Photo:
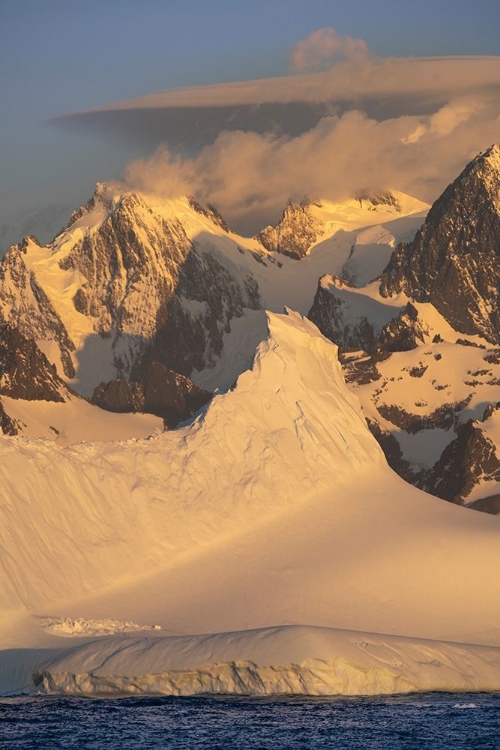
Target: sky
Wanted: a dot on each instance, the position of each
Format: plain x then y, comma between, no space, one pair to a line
59,57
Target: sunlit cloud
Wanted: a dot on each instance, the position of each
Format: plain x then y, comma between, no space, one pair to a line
323,46
364,123
250,176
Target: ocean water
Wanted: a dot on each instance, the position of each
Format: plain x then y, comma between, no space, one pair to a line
416,722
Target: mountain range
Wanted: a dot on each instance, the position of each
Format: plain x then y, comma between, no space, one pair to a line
145,305
204,431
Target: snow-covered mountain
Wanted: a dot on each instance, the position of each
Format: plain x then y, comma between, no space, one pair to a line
122,285
149,305
136,283
36,403
421,342
453,262
271,526
305,225
266,519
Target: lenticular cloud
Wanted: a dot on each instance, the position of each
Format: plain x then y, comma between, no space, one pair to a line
364,123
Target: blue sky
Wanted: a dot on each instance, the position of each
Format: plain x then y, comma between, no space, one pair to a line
59,56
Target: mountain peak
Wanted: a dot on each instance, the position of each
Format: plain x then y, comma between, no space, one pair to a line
297,231
489,157
483,170
453,260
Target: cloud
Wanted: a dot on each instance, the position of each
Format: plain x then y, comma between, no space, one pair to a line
365,123
324,45
446,119
384,88
350,79
250,176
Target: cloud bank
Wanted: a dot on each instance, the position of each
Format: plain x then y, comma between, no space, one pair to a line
250,176
364,124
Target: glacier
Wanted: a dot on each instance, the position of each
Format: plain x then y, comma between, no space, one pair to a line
267,538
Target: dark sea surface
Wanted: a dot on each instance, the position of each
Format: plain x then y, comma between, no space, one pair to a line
461,721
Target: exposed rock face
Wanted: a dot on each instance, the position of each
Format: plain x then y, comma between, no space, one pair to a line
330,312
350,316
7,425
445,417
25,305
392,451
454,260
401,334
139,280
190,326
470,458
380,199
159,391
487,505
25,372
294,234
159,295
125,264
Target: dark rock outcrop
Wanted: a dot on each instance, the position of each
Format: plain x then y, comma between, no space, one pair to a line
25,372
7,425
295,233
445,417
332,314
454,260
489,505
466,460
392,451
211,213
379,199
159,391
25,305
185,341
401,334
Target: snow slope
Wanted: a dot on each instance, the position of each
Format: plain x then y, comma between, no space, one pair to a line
275,507
76,420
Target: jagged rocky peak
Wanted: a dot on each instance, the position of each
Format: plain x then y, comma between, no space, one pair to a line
404,333
453,261
131,258
297,230
28,239
25,372
147,275
158,391
102,197
146,280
